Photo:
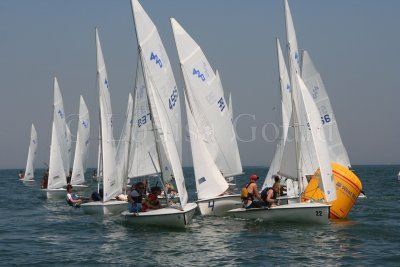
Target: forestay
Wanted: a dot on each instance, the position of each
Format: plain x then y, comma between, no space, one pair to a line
30,170
111,182
208,106
82,144
315,85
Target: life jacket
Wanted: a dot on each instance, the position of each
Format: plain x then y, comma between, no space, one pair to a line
139,198
244,194
264,194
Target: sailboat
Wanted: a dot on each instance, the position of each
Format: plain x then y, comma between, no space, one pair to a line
305,146
212,137
112,182
155,80
82,145
30,170
309,212
59,154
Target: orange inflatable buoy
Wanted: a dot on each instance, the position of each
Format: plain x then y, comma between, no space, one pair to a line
348,187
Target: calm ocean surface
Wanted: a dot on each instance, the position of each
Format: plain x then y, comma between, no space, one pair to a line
36,231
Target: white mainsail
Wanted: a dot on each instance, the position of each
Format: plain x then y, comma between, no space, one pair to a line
82,144
112,186
286,111
124,144
143,144
30,170
158,66
60,136
163,99
207,103
315,85
308,158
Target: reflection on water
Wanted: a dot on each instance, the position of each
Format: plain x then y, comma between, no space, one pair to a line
51,232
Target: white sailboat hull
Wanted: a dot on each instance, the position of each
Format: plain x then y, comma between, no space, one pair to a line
317,213
80,186
163,217
57,193
27,180
111,207
219,206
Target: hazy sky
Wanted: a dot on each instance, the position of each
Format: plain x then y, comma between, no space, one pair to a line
352,43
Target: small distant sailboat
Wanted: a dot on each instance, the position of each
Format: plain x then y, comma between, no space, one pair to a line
82,145
59,154
212,137
112,182
164,116
30,170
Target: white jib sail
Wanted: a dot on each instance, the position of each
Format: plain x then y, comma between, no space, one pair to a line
158,65
286,111
57,177
209,180
111,183
315,85
209,108
143,145
320,144
124,143
82,144
30,170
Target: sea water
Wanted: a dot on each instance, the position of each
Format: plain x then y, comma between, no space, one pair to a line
38,231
